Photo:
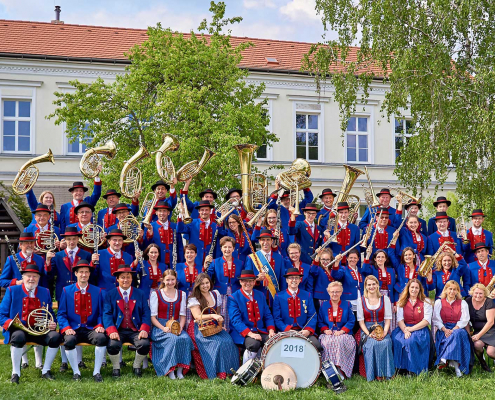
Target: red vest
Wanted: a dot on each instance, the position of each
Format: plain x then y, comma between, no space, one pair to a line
169,310
83,307
127,322
451,313
414,314
377,315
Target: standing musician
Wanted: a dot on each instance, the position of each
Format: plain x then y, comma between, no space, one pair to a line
447,269
293,308
161,233
307,233
412,209
161,189
240,210
110,259
441,205
327,197
384,234
250,318
294,261
68,215
80,318
384,197
106,216
126,318
348,235
42,225
476,234
206,195
84,212
21,300
268,265
480,271
408,270
322,275
187,272
234,230
271,223
443,234
48,199
121,211
154,269
411,236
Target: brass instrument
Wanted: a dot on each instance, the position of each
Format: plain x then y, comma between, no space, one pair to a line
148,206
296,178
430,261
28,174
224,215
369,249
491,286
374,202
193,168
460,226
294,199
91,159
131,178
92,236
259,214
254,185
406,195
45,241
164,165
131,229
186,218
41,318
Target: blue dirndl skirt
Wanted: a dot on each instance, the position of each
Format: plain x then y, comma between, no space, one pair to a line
456,347
378,356
412,354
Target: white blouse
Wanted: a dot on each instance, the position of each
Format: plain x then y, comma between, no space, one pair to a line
437,320
193,301
386,303
154,302
428,311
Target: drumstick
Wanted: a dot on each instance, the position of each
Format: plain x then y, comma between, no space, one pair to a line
308,321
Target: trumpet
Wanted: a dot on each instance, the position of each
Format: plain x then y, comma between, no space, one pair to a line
164,165
460,226
427,265
28,174
91,159
193,168
131,178
37,322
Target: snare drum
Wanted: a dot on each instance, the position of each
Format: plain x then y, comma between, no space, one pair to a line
247,373
297,351
333,377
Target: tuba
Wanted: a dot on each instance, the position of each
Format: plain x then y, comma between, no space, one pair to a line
91,159
37,322
131,178
254,186
296,178
164,165
28,174
193,168
427,265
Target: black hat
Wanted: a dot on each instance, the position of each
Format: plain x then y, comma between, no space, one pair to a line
310,207
285,194
206,191
265,233
383,211
160,183
246,274
120,207
81,264
293,272
31,268
227,196
78,185
204,203
384,191
327,191
412,203
116,232
342,205
71,231
83,204
111,192
481,245
162,205
478,212
42,208
27,237
441,215
123,268
440,200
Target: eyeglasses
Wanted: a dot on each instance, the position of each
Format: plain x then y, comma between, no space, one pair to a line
335,292
294,278
325,259
84,212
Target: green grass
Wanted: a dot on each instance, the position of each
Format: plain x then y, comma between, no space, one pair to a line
436,385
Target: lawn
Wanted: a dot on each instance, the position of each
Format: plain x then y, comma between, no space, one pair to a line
436,385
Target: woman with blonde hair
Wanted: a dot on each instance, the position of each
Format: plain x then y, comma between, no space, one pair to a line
411,338
270,222
450,317
447,269
48,199
294,261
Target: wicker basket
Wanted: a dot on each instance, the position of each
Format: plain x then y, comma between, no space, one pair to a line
209,327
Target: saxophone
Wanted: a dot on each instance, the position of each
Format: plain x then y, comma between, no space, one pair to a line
427,265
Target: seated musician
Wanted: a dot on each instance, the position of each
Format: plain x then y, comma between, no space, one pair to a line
443,235
327,197
375,309
43,226
411,338
407,270
307,233
20,300
106,216
67,212
126,318
171,353
251,321
336,322
270,222
348,233
224,271
80,318
447,269
411,236
480,271
452,343
322,276
441,205
149,282
293,308
161,189
205,195
48,199
294,261
235,231
384,197
215,355
477,234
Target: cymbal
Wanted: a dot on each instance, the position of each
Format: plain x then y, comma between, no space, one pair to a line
278,376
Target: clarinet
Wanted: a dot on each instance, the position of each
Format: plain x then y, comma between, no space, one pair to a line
326,244
52,229
212,247
95,244
276,240
174,250
14,255
140,259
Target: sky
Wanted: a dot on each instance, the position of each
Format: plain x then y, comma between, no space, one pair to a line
294,20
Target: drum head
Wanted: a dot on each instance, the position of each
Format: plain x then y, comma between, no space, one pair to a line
239,377
278,376
297,352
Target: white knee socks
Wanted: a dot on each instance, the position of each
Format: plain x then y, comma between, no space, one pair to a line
99,356
248,355
38,356
72,357
16,355
138,360
62,353
79,353
51,353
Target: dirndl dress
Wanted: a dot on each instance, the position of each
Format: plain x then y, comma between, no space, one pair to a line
456,347
412,354
223,309
341,350
393,322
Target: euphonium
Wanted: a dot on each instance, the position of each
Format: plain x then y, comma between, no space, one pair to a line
375,202
91,159
131,178
164,165
28,174
193,168
427,265
40,317
297,175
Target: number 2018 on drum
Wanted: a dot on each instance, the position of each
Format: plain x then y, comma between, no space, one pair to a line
293,348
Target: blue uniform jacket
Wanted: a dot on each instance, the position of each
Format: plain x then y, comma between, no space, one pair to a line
351,282
468,248
344,321
164,238
294,314
476,274
284,240
408,239
402,280
33,205
307,282
434,243
218,272
10,272
182,282
171,201
284,212
111,219
321,279
432,225
201,237
278,265
395,218
389,281
108,263
150,281
439,277
309,243
347,238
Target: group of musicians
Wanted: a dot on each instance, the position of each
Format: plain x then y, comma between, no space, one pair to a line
354,292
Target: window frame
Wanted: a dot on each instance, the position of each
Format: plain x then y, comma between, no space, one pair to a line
31,119
321,124
67,143
269,127
403,118
370,135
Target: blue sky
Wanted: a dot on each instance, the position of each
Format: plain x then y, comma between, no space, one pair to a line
271,19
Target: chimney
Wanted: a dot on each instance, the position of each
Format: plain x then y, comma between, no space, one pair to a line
57,16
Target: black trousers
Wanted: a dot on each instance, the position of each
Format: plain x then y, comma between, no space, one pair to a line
315,342
128,335
18,338
85,335
254,345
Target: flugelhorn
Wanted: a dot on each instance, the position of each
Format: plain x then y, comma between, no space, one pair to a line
164,165
28,174
37,322
131,178
193,168
91,159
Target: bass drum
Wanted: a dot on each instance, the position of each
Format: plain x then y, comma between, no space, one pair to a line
298,352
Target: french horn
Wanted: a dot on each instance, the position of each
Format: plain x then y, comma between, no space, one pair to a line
28,174
164,165
91,159
131,178
36,323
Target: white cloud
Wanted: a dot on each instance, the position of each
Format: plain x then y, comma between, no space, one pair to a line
296,10
260,30
258,4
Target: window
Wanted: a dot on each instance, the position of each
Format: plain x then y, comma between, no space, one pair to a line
358,140
264,152
77,147
16,126
403,130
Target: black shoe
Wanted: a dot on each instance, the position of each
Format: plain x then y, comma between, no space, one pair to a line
103,364
138,372
82,365
40,367
48,375
483,364
76,377
98,378
64,367
116,373
122,364
15,378
24,365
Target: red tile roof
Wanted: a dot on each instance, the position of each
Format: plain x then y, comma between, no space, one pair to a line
98,43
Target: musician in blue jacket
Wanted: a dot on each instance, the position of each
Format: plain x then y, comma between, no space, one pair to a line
477,234
205,195
84,212
48,199
307,233
412,209
411,236
161,189
20,300
348,234
384,235
106,216
67,214
384,197
126,318
441,205
80,318
327,197
122,211
293,308
42,228
480,271
444,235
294,261
251,321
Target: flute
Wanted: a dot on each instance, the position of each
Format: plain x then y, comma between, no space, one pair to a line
345,253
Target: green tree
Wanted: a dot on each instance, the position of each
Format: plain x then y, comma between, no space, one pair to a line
437,56
188,85
17,203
